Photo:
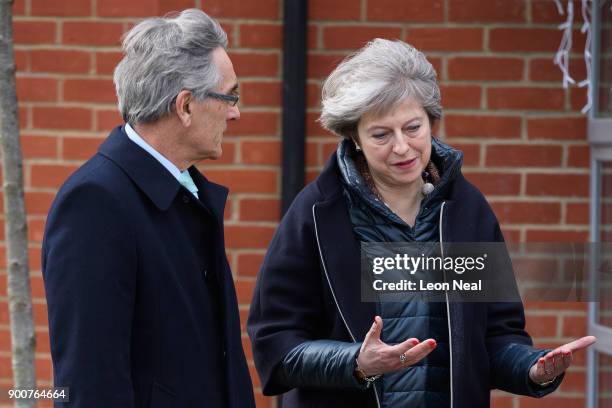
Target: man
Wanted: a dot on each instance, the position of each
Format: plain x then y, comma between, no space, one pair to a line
142,307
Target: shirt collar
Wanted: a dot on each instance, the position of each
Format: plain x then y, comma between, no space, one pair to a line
136,138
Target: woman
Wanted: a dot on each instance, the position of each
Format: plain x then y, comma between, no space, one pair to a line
389,181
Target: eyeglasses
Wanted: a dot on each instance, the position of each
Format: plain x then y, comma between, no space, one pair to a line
231,99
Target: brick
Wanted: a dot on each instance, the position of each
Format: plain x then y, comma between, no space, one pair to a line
167,6
328,149
92,33
268,9
261,152
38,203
261,35
501,402
36,280
523,155
578,98
334,10
544,69
60,8
108,119
574,326
34,32
485,69
406,12
565,128
312,154
254,123
536,235
353,37
579,156
490,183
246,181
261,93
553,402
36,230
228,154
541,326
321,65
61,118
527,213
39,310
313,128
471,11
38,147
545,11
248,236
460,96
24,117
506,127
22,59
249,264
255,64
19,7
89,90
260,210
80,148
36,89
313,95
59,61
558,185
526,98
445,39
577,213
50,175
524,39
107,61
119,8
574,381
471,153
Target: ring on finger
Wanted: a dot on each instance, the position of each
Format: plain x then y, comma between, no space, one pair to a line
403,358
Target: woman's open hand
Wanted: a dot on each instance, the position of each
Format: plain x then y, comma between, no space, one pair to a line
558,360
376,357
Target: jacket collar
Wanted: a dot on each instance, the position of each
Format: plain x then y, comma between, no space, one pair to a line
153,178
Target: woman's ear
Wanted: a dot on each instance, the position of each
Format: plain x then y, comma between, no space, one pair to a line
182,108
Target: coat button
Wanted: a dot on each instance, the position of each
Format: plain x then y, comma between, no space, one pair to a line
185,199
205,273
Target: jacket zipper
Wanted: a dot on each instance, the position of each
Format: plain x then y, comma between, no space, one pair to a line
334,294
448,318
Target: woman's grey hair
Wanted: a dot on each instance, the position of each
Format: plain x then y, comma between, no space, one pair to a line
373,80
162,57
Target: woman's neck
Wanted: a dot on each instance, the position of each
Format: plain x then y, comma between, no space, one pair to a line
403,201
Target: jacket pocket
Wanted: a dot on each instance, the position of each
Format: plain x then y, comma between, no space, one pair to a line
162,396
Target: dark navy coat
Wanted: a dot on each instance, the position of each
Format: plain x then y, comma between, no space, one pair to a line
142,307
309,288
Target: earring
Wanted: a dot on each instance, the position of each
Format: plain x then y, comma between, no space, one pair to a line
357,148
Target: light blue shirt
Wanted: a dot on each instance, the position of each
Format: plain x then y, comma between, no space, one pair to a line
135,137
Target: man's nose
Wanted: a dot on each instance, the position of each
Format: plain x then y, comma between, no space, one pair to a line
233,113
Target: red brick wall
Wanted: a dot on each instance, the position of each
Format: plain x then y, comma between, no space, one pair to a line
523,135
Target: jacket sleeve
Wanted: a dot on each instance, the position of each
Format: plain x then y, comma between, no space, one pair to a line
287,308
89,269
509,347
320,364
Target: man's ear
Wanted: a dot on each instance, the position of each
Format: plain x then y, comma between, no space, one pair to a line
182,107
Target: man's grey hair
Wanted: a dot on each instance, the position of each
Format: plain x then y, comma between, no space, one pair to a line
162,57
373,80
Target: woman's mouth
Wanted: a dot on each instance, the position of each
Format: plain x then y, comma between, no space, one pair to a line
406,164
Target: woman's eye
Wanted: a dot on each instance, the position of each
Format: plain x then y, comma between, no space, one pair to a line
379,135
412,128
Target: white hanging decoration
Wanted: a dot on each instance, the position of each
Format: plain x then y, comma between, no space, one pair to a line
562,58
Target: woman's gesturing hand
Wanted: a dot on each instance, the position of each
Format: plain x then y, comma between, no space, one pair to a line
558,360
376,357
